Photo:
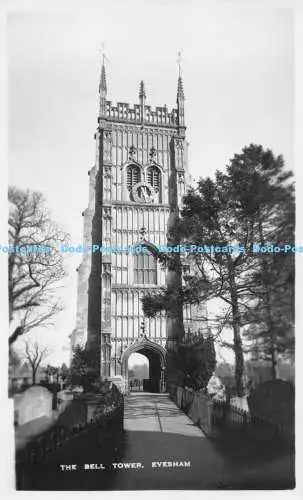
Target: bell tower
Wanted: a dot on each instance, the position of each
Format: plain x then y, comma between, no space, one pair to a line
136,189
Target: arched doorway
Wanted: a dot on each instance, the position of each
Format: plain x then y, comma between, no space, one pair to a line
138,371
155,355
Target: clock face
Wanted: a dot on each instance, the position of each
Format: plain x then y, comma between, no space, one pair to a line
143,193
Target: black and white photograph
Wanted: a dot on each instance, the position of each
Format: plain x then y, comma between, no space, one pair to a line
150,246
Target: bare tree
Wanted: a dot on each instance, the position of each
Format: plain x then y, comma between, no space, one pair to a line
35,266
35,354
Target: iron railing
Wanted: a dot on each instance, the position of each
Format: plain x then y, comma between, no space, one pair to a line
228,414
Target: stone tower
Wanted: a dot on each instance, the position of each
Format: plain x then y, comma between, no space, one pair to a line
136,189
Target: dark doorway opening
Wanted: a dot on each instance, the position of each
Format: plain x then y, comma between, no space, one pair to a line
145,376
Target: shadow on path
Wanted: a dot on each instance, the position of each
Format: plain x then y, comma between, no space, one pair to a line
159,449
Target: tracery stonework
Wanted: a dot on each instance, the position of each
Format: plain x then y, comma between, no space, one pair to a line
136,186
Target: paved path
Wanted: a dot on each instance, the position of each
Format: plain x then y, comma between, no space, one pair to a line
157,434
159,449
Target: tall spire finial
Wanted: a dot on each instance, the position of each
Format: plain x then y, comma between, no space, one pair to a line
142,94
180,95
142,98
102,49
180,91
103,86
179,60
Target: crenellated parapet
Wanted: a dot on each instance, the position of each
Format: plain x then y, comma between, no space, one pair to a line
125,113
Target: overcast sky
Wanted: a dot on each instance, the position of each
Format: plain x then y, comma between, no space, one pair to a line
238,80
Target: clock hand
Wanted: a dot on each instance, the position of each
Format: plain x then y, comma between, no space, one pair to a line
143,193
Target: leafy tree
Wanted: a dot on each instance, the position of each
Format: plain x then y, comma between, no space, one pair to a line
208,218
33,277
196,363
252,198
64,371
264,190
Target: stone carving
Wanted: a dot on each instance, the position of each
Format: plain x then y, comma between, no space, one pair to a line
179,145
107,213
108,172
181,177
131,153
108,135
107,145
106,268
152,153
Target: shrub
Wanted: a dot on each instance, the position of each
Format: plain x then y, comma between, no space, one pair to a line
84,368
195,363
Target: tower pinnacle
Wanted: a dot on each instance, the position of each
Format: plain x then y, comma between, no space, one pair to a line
142,98
179,60
142,94
102,85
180,95
180,91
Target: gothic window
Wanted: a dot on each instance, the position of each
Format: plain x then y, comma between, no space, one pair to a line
145,269
154,179
133,176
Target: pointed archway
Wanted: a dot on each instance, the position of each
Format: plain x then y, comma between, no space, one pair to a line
156,356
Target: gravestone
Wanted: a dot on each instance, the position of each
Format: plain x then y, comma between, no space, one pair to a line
274,401
34,403
64,400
